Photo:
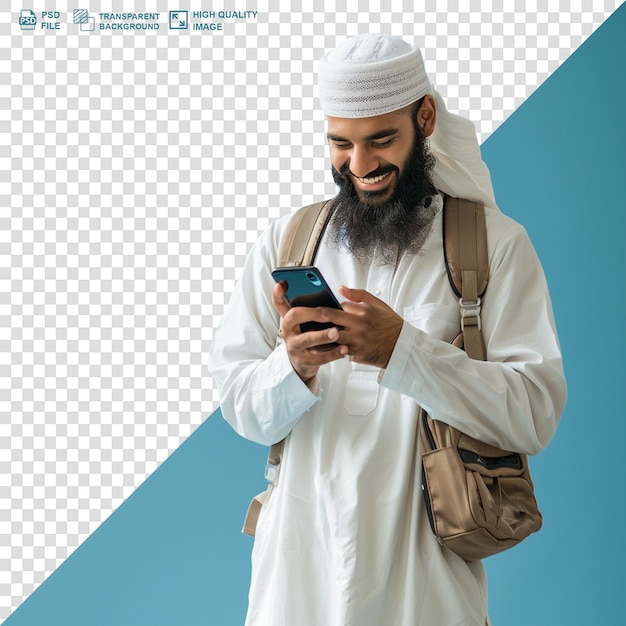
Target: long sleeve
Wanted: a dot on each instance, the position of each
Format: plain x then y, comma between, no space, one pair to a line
261,396
515,398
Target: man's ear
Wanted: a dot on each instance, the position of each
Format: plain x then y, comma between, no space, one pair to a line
427,115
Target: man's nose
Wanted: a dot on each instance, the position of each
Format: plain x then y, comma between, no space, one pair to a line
362,162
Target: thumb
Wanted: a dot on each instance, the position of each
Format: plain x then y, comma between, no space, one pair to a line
278,299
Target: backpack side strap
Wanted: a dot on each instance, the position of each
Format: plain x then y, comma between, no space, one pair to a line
271,475
298,246
467,263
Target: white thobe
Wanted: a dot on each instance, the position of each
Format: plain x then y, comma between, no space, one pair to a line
344,539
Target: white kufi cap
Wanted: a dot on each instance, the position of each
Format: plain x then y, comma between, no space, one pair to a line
376,74
371,75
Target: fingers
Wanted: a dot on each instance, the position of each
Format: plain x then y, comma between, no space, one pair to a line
357,295
313,340
316,340
308,351
359,302
368,331
371,327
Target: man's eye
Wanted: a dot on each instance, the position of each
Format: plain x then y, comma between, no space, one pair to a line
382,144
342,146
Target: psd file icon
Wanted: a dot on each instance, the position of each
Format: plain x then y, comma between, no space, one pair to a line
28,19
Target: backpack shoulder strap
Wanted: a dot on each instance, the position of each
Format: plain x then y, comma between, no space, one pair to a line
298,246
303,234
467,263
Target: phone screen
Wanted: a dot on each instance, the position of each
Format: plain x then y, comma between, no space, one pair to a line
305,286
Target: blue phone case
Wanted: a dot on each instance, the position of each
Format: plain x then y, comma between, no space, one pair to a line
306,287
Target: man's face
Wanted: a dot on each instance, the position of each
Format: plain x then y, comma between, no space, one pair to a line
372,152
382,167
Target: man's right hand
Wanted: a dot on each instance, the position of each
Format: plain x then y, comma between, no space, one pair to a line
310,350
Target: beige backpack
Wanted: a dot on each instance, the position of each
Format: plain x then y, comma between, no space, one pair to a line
479,498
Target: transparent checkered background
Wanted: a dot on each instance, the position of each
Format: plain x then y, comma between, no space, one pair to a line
136,171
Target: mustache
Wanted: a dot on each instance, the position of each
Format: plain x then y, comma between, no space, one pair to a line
379,171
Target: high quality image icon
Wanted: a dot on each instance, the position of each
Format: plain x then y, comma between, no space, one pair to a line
179,20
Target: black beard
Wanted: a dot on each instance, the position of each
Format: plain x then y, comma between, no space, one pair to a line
367,227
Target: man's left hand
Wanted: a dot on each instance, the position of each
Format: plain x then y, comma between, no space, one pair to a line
370,327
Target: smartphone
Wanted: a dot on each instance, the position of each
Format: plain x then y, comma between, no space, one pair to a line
305,286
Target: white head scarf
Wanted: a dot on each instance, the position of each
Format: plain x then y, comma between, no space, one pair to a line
375,74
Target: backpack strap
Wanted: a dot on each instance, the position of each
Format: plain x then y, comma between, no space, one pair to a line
303,234
467,263
271,475
298,246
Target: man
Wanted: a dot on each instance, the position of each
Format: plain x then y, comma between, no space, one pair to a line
344,538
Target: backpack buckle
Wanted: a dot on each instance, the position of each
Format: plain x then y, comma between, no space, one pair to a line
470,309
271,473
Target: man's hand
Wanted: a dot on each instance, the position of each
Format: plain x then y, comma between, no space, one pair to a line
371,327
310,350
370,331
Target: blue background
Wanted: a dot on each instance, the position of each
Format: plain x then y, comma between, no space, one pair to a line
172,554
558,168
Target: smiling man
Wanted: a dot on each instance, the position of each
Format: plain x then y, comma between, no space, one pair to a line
344,539
382,166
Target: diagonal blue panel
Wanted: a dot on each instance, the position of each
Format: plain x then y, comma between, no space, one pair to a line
559,168
172,554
